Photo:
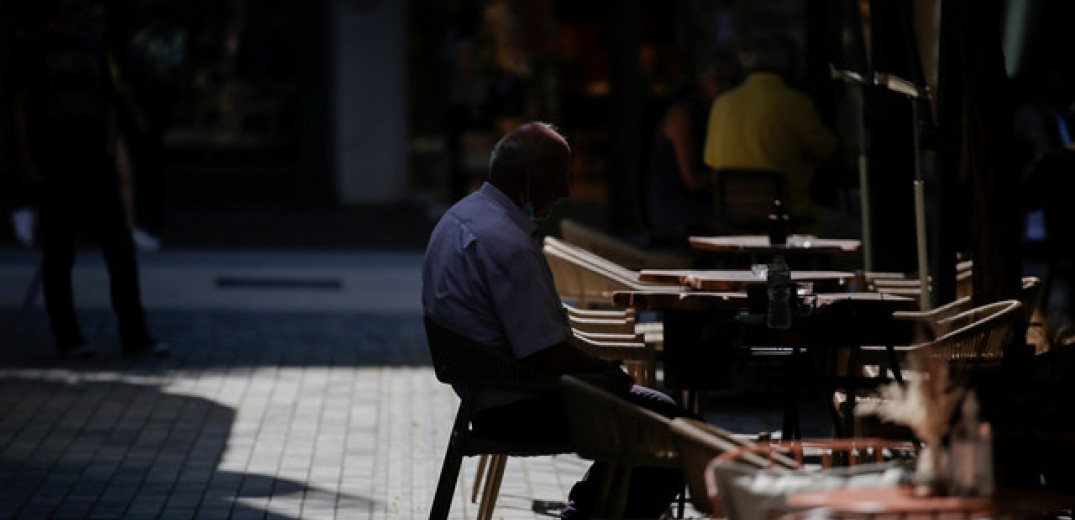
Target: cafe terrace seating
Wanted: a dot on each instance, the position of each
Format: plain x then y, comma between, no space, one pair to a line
700,442
1038,334
610,342
968,340
615,321
737,489
620,434
638,359
470,368
619,251
587,279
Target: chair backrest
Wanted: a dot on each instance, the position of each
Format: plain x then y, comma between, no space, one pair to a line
744,198
822,454
609,428
699,443
1038,334
638,358
620,251
470,366
586,278
926,322
974,336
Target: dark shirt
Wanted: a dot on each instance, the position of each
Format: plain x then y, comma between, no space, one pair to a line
672,205
68,90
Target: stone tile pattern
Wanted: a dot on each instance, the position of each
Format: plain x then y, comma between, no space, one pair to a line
255,415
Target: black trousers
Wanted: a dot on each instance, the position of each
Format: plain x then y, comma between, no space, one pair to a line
68,207
544,418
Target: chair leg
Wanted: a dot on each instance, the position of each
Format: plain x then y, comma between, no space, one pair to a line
493,478
449,471
619,499
449,476
600,506
478,475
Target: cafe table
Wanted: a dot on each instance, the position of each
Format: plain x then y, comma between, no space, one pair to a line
723,280
760,245
900,502
733,250
707,332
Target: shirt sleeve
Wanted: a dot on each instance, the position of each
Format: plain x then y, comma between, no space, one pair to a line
524,297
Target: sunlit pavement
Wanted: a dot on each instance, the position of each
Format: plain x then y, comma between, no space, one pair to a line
298,387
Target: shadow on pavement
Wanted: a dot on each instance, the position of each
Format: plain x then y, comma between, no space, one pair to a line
224,339
80,445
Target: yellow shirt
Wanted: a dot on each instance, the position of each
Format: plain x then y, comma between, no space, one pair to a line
765,125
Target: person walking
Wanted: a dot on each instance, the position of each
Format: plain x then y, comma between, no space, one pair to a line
65,134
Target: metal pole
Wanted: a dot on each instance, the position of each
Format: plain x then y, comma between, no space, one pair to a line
854,78
913,93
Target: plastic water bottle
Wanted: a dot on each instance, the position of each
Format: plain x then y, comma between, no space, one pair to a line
779,288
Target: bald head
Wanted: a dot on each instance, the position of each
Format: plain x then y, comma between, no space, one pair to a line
531,166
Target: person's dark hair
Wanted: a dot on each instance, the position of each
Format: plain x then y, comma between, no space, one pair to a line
774,53
723,63
521,148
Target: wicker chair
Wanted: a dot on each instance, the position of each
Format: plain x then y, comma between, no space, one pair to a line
699,443
620,251
588,279
807,456
623,435
470,368
638,359
968,340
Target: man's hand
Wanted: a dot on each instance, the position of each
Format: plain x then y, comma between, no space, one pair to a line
614,380
566,358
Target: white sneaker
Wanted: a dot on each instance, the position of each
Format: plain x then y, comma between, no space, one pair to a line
145,241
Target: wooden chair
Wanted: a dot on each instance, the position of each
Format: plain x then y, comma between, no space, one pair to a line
615,321
624,436
638,358
613,344
470,368
620,251
966,340
808,456
907,284
587,279
699,443
973,337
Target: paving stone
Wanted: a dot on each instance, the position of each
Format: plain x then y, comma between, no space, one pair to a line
278,413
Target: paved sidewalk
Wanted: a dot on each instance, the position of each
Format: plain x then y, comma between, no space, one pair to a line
256,415
299,388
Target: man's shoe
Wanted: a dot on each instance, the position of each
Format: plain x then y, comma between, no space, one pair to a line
79,351
152,347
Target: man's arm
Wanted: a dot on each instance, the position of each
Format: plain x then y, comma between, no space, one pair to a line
566,358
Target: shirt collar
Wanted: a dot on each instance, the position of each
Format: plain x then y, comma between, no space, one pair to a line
510,208
764,77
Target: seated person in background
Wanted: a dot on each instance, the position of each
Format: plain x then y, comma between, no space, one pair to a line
763,124
679,185
485,278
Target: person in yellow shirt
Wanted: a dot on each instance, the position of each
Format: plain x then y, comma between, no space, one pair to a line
763,124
